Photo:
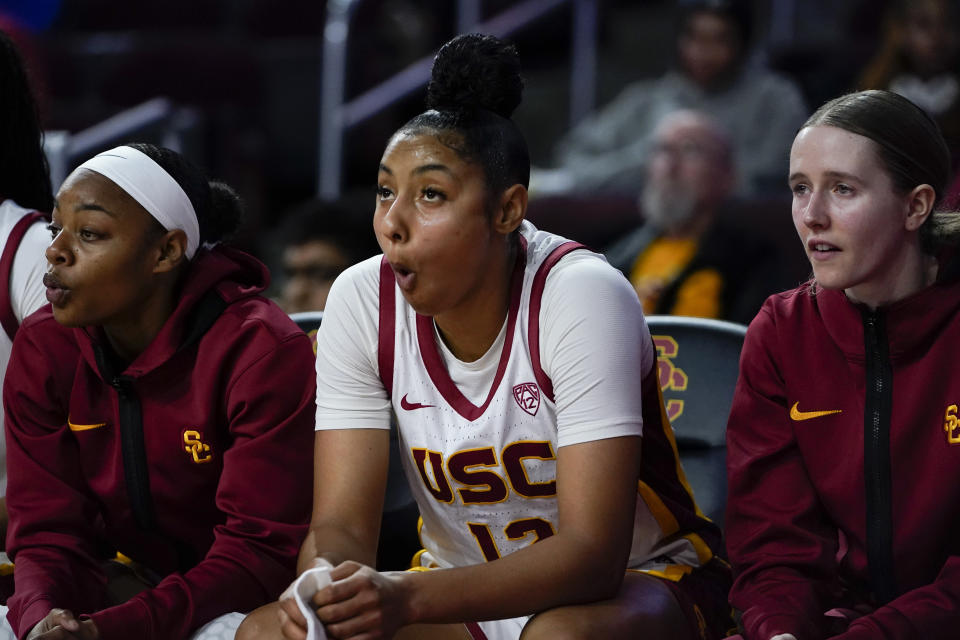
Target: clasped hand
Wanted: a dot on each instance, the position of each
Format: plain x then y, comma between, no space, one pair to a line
60,624
360,604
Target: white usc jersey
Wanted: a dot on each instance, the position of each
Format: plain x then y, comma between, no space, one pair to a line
483,470
483,475
22,264
23,243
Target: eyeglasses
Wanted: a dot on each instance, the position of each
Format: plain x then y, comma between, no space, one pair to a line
686,150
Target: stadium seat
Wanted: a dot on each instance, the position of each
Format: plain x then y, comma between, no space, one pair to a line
399,540
309,321
698,362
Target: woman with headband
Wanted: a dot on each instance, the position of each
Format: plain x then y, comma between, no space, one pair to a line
159,408
526,394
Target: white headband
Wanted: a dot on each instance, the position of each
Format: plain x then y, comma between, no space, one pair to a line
150,185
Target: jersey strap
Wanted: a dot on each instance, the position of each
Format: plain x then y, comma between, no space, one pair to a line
476,633
7,317
387,326
536,297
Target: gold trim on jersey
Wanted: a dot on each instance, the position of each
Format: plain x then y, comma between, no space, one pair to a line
415,561
664,517
668,431
671,572
704,553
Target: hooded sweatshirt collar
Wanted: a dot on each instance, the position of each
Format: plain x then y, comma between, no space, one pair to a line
215,279
912,323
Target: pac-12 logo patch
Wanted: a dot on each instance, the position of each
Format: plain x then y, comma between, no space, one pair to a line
527,396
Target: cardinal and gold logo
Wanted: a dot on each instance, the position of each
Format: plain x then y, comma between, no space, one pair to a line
194,445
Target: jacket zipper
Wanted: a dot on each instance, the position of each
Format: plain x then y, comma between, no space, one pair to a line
876,459
135,468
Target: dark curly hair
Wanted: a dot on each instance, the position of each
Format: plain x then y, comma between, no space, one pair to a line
474,88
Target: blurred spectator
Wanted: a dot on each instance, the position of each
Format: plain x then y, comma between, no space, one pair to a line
686,259
318,241
760,110
824,45
918,59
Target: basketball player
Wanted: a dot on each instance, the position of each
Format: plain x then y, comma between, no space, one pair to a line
25,185
158,407
522,376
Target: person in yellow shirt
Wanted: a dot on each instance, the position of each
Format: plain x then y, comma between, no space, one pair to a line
684,259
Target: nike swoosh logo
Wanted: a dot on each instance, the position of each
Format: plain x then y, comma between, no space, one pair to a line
796,414
84,427
410,406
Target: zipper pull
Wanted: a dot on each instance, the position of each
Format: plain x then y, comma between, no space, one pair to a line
120,384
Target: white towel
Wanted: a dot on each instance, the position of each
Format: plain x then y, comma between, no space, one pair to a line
302,591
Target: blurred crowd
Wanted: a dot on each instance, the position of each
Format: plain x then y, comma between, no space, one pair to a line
250,72
678,177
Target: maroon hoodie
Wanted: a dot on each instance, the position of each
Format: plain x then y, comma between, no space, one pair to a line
844,467
194,460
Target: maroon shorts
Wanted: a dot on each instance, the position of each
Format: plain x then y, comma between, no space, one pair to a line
702,595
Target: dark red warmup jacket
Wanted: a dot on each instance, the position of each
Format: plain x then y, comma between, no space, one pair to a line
195,460
844,463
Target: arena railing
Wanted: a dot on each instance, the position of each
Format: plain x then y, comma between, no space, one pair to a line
338,115
65,150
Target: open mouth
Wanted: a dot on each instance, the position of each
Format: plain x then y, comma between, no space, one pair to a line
56,291
822,247
404,275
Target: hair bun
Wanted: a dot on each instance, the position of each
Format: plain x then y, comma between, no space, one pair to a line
475,71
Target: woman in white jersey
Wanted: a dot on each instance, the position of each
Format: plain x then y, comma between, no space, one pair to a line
25,202
522,376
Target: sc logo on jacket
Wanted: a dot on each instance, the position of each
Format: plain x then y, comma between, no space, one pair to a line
194,445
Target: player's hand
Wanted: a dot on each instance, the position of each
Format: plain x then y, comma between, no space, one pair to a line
363,603
292,624
60,624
